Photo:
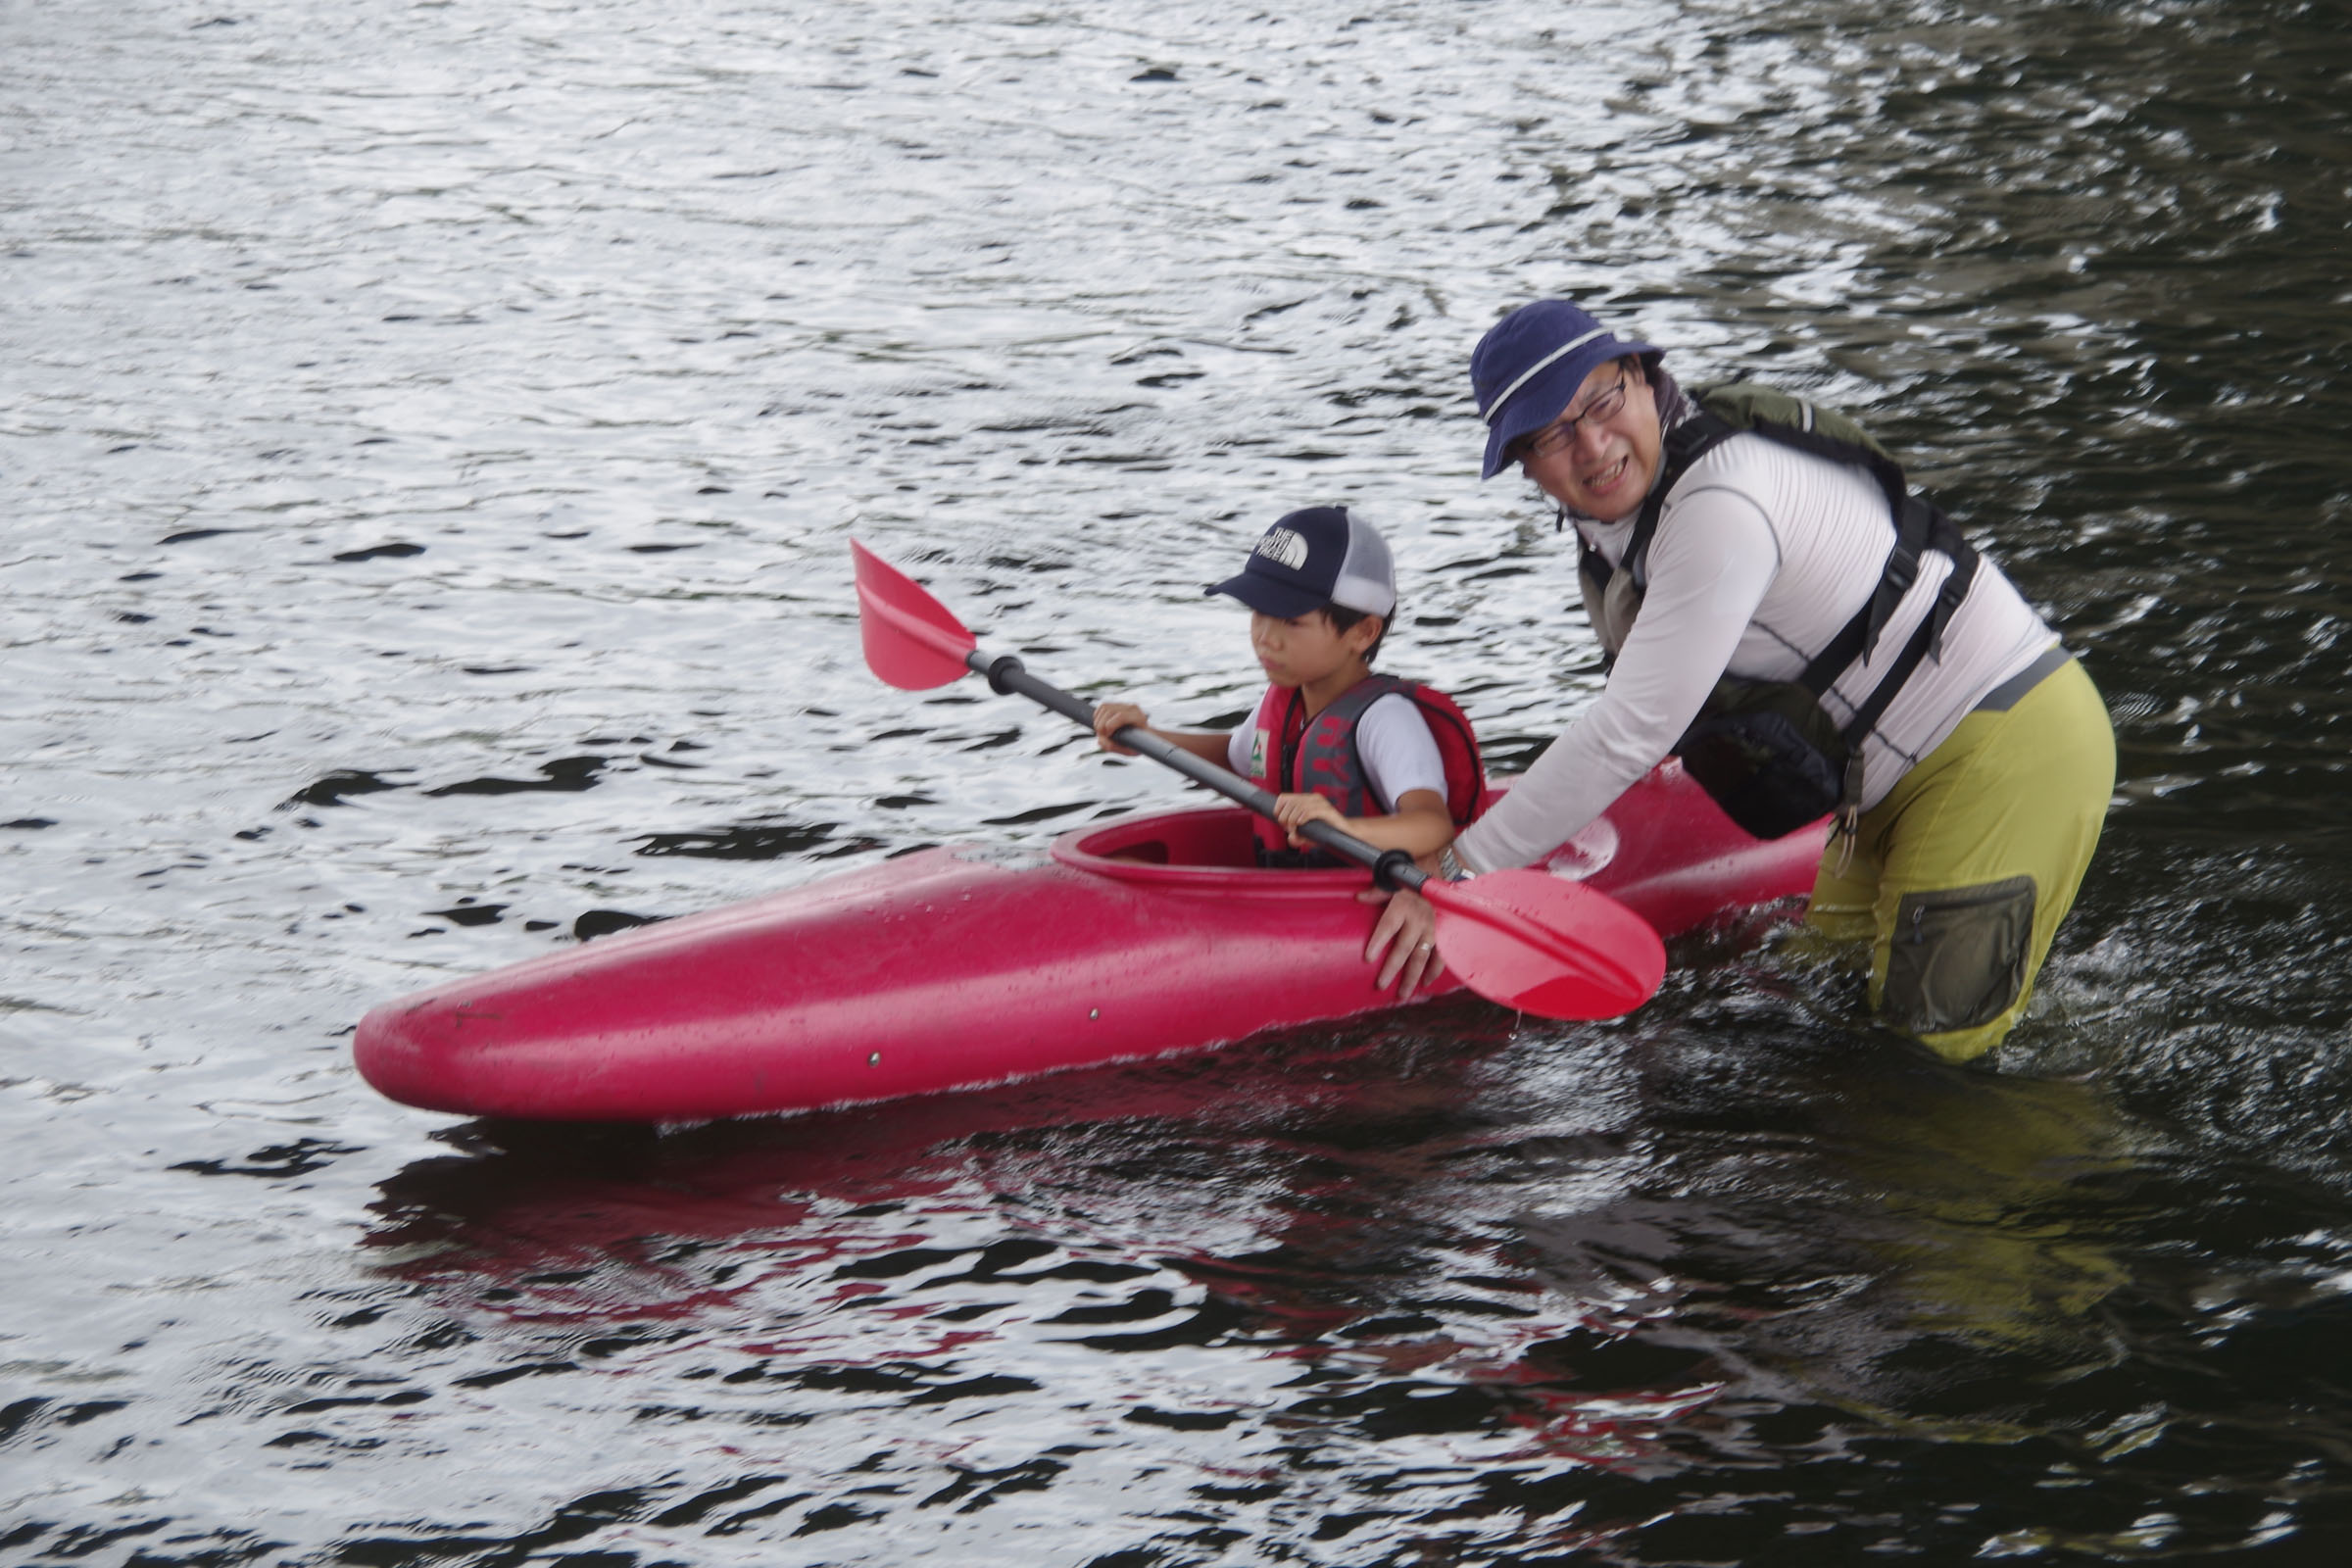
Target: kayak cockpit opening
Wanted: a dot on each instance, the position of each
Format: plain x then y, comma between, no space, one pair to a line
1215,846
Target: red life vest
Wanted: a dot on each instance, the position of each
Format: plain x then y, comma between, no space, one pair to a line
1289,756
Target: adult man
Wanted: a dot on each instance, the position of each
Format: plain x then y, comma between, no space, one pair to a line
1975,793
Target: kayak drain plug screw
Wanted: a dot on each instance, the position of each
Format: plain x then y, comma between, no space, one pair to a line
1093,1012
874,1060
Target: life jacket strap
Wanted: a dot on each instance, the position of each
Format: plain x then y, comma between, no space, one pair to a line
1920,525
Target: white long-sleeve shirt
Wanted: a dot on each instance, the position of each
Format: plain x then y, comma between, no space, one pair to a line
1761,557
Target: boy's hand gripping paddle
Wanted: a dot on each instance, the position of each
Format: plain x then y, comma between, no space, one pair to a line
1526,939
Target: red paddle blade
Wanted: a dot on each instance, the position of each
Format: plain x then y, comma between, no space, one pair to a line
1546,944
911,640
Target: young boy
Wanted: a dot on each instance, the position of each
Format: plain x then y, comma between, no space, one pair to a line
1393,764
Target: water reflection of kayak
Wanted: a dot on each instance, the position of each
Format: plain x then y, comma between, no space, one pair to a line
957,966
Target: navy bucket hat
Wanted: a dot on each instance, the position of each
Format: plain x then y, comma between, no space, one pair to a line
1528,367
1316,557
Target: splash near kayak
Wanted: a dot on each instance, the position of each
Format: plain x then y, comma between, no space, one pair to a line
955,967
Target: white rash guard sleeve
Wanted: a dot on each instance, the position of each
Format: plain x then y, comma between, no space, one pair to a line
1707,574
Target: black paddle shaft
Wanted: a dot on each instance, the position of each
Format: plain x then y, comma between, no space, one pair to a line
1390,868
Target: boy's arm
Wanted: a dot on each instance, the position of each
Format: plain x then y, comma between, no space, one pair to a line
1419,826
1209,745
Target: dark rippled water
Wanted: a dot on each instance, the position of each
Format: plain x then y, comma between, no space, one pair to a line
430,435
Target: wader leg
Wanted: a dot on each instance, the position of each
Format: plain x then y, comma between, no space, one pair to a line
1968,867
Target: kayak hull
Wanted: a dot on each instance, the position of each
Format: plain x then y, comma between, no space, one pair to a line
959,967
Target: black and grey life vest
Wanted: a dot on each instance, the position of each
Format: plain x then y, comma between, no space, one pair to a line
1613,597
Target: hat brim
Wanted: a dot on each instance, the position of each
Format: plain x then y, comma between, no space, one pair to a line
1268,597
1548,395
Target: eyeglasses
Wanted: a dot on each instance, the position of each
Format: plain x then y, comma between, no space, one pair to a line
1560,435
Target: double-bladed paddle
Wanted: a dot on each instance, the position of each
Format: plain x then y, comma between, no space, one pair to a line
1526,939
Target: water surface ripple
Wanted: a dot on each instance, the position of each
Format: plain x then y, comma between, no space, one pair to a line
432,434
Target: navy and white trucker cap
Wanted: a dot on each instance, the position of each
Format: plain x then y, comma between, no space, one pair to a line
1315,557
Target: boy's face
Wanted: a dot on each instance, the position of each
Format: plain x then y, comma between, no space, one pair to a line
1309,647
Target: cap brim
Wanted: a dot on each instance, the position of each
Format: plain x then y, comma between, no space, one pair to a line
1499,441
1267,597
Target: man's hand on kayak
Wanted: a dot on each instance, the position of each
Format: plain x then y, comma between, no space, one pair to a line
1403,942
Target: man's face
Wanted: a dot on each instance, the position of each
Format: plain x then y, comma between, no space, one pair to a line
1597,458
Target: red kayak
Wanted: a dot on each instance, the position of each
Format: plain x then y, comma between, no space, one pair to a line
954,968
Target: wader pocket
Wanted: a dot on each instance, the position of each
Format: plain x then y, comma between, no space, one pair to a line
1957,960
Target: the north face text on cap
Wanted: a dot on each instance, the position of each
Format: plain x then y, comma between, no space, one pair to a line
1284,546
